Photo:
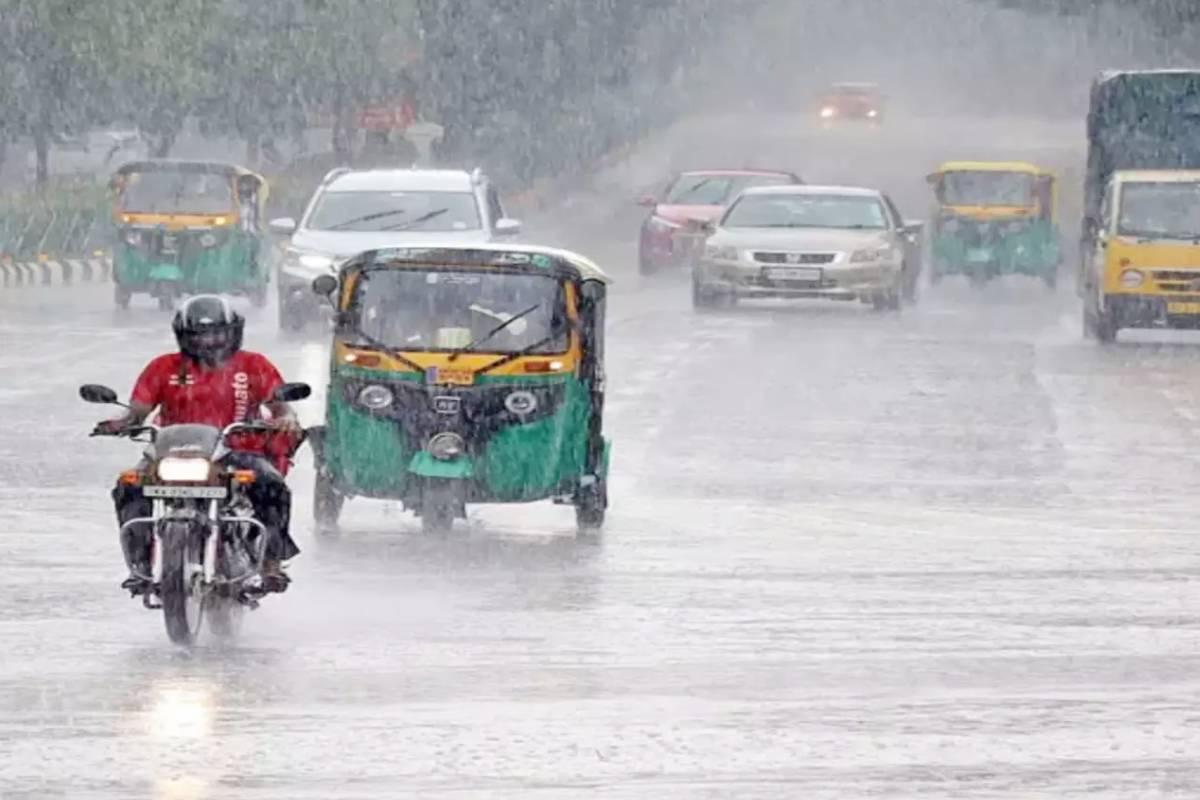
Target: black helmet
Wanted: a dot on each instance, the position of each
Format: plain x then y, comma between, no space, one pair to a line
207,329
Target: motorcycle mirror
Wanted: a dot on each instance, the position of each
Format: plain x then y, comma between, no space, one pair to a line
291,392
95,393
324,285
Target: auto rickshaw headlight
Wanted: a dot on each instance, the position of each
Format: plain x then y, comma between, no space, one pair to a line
208,240
1132,278
376,397
446,446
132,238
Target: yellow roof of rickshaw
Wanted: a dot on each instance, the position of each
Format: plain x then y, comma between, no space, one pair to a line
1157,175
164,164
584,266
991,166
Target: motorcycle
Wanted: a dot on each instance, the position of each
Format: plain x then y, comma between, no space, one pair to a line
207,546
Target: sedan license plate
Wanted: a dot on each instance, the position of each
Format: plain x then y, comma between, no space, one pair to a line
1183,308
808,274
193,492
979,255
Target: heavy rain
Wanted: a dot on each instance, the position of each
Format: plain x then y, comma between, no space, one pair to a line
672,398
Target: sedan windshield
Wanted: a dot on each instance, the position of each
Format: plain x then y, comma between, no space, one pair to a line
178,193
856,212
987,188
407,309
1167,210
395,211
715,190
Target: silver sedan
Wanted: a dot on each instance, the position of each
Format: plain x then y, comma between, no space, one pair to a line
829,242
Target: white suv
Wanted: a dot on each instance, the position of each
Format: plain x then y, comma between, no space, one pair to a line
356,210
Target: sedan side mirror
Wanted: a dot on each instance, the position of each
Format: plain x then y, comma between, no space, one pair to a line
508,227
95,393
284,226
291,392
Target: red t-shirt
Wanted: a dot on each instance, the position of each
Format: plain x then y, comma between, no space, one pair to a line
186,393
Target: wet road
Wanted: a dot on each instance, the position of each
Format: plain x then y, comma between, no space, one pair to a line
944,554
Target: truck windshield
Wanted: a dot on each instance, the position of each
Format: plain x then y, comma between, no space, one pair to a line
987,188
443,310
1160,210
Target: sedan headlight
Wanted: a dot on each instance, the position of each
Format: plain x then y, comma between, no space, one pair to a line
1132,278
870,254
376,397
446,446
718,252
183,469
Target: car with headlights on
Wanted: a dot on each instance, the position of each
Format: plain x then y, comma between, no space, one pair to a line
830,242
863,102
670,234
353,211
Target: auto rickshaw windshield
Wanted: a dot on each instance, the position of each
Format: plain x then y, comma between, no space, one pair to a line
178,193
1166,210
435,310
986,188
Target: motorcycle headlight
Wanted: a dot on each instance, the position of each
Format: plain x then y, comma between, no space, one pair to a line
446,446
183,469
376,397
720,252
1132,278
870,254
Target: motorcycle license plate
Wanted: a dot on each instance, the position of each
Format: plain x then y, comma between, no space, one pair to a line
189,492
809,274
979,255
1183,308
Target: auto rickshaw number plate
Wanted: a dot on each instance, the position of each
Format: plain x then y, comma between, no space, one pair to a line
1183,308
203,492
447,405
170,244
979,255
453,377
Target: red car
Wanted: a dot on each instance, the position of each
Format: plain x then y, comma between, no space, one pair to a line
669,236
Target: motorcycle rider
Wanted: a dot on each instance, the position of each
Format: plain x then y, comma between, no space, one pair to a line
212,381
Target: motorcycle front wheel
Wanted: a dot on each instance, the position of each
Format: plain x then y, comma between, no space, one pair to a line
181,589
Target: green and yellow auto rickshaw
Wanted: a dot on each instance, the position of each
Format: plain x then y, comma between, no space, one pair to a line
464,374
188,227
994,218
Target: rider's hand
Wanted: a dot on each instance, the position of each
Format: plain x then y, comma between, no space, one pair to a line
110,427
289,425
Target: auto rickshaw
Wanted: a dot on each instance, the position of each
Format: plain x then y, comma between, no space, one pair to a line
464,374
994,218
188,227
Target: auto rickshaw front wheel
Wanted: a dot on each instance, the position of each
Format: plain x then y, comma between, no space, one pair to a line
122,296
440,504
1099,325
591,504
258,296
327,503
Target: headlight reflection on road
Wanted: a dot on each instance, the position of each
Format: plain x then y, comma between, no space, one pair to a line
181,713
183,787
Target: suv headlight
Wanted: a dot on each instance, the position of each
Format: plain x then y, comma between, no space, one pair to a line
306,264
183,469
719,252
871,254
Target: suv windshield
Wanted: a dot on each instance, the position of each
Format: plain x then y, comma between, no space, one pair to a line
806,211
714,190
178,193
412,309
394,211
1167,210
986,188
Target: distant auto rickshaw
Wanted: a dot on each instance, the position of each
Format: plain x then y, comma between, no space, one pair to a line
188,227
464,374
992,219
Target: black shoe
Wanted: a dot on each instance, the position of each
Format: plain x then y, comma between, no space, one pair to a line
135,585
274,579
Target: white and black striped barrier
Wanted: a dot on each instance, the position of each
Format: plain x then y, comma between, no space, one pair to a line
54,272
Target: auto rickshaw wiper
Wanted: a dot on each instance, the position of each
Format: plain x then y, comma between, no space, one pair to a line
514,356
472,345
403,226
393,352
